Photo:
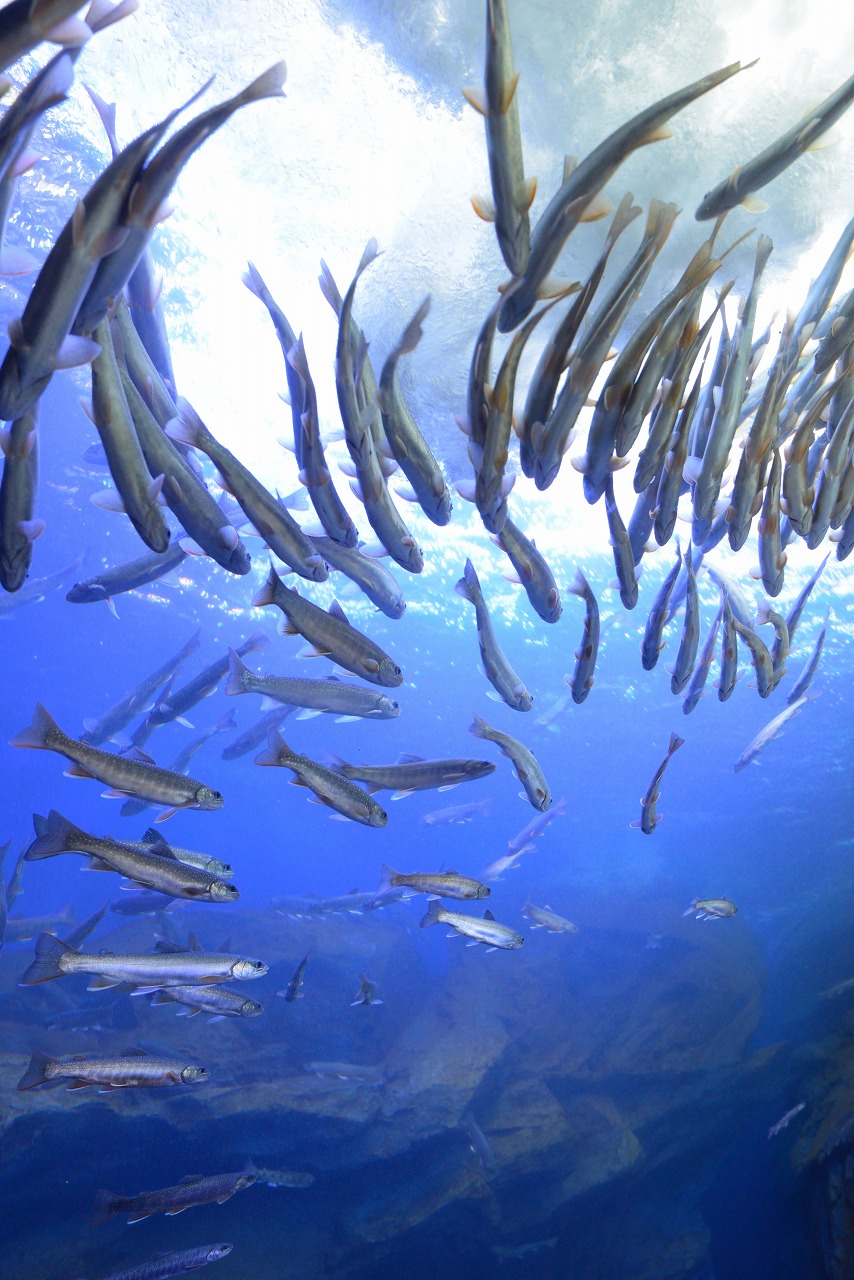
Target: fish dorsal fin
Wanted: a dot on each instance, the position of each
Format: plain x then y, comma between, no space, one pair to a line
406,757
151,836
171,948
160,849
487,915
137,755
192,1177
193,943
337,612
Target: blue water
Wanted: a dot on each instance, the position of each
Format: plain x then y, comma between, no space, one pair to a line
625,1075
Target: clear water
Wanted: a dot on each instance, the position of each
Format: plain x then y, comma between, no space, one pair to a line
626,1075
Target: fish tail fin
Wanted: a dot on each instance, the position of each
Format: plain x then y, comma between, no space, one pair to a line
187,427
269,591
37,1072
386,883
47,964
54,834
268,85
276,745
102,14
579,585
693,907
434,914
106,1204
675,743
478,725
258,640
238,672
413,332
38,731
469,585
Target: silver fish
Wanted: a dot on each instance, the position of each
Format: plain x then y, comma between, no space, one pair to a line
111,1073
486,930
414,773
649,819
189,1193
652,643
329,786
770,731
18,526
545,918
805,679
701,670
331,695
369,574
127,577
497,669
166,966
690,638
585,655
528,770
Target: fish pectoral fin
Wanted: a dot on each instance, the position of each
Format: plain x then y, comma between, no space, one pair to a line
484,208
529,190
474,94
77,771
753,204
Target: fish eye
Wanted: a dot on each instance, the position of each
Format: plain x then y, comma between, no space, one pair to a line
396,705
397,671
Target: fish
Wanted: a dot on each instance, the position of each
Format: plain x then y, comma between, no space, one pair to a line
131,774
748,178
218,1001
329,786
110,1073
13,888
456,813
369,574
363,1074
144,375
581,681
188,1194
652,643
512,193
649,819
26,23
168,965
763,664
711,908
176,703
780,649
147,902
441,884
136,493
294,990
701,670
367,993
794,615
806,677
686,656
495,870
330,695
530,570
291,1178
87,1018
414,773
624,559
497,669
36,589
23,928
151,194
163,1265
771,731
829,477
785,1121
143,290
19,527
576,199
729,651
256,733
266,514
156,867
486,930
40,340
545,918
479,1143
353,903
127,577
772,557
528,771
152,843
330,633
405,441
536,827
113,721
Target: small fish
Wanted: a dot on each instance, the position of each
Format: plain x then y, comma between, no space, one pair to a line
110,1073
497,669
649,819
178,702
18,526
545,918
256,733
369,574
530,570
480,1144
739,187
167,965
203,861
329,786
680,674
624,560
510,861
330,695
785,1121
353,903
146,902
87,1018
763,664
163,1265
330,633
441,884
805,679
711,908
794,615
458,813
414,773
113,721
771,731
581,681
217,1001
127,577
652,643
367,993
131,774
528,771
772,557
701,670
294,990
486,930
536,827
780,649
188,1194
